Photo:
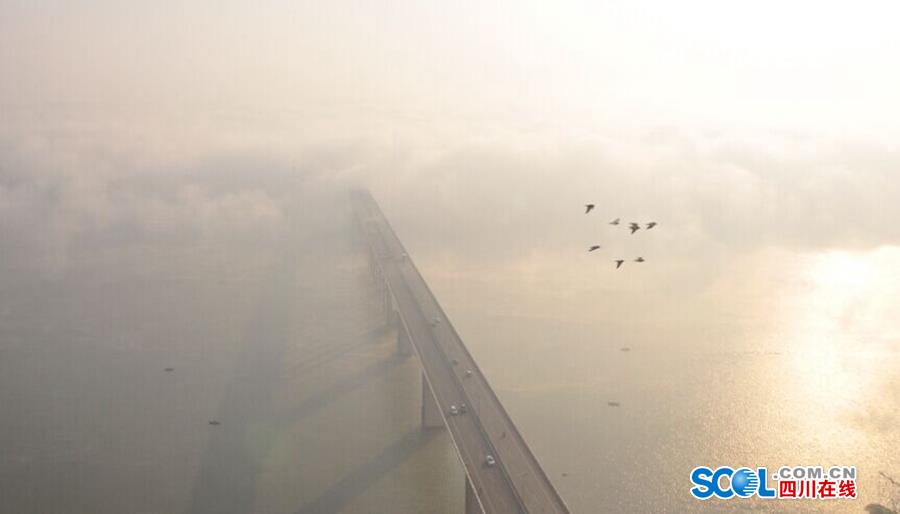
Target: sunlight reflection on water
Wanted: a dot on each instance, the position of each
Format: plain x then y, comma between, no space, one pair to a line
776,358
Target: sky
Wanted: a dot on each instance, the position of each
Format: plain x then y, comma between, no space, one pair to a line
590,64
744,125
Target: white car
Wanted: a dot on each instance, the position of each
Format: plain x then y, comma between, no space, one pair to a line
454,410
489,460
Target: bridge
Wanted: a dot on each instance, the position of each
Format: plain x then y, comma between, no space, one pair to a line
502,474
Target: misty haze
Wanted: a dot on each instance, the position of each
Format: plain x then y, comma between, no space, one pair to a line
197,316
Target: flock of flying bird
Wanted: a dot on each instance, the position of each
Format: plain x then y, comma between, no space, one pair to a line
633,226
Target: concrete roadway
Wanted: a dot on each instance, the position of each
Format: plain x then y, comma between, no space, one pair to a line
516,483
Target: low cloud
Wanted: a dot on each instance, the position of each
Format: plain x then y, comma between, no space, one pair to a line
74,185
708,192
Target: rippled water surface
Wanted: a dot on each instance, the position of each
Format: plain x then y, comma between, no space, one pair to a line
792,359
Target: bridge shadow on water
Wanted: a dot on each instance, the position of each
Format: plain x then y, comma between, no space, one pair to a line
333,352
226,482
231,465
345,490
231,462
325,397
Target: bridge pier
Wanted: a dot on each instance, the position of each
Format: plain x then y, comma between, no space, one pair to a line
431,413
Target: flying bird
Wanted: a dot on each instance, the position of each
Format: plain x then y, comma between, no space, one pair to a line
588,207
169,370
639,259
624,349
595,247
613,404
619,263
634,227
651,225
214,422
614,222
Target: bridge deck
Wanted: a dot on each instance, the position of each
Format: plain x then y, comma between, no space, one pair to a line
516,483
